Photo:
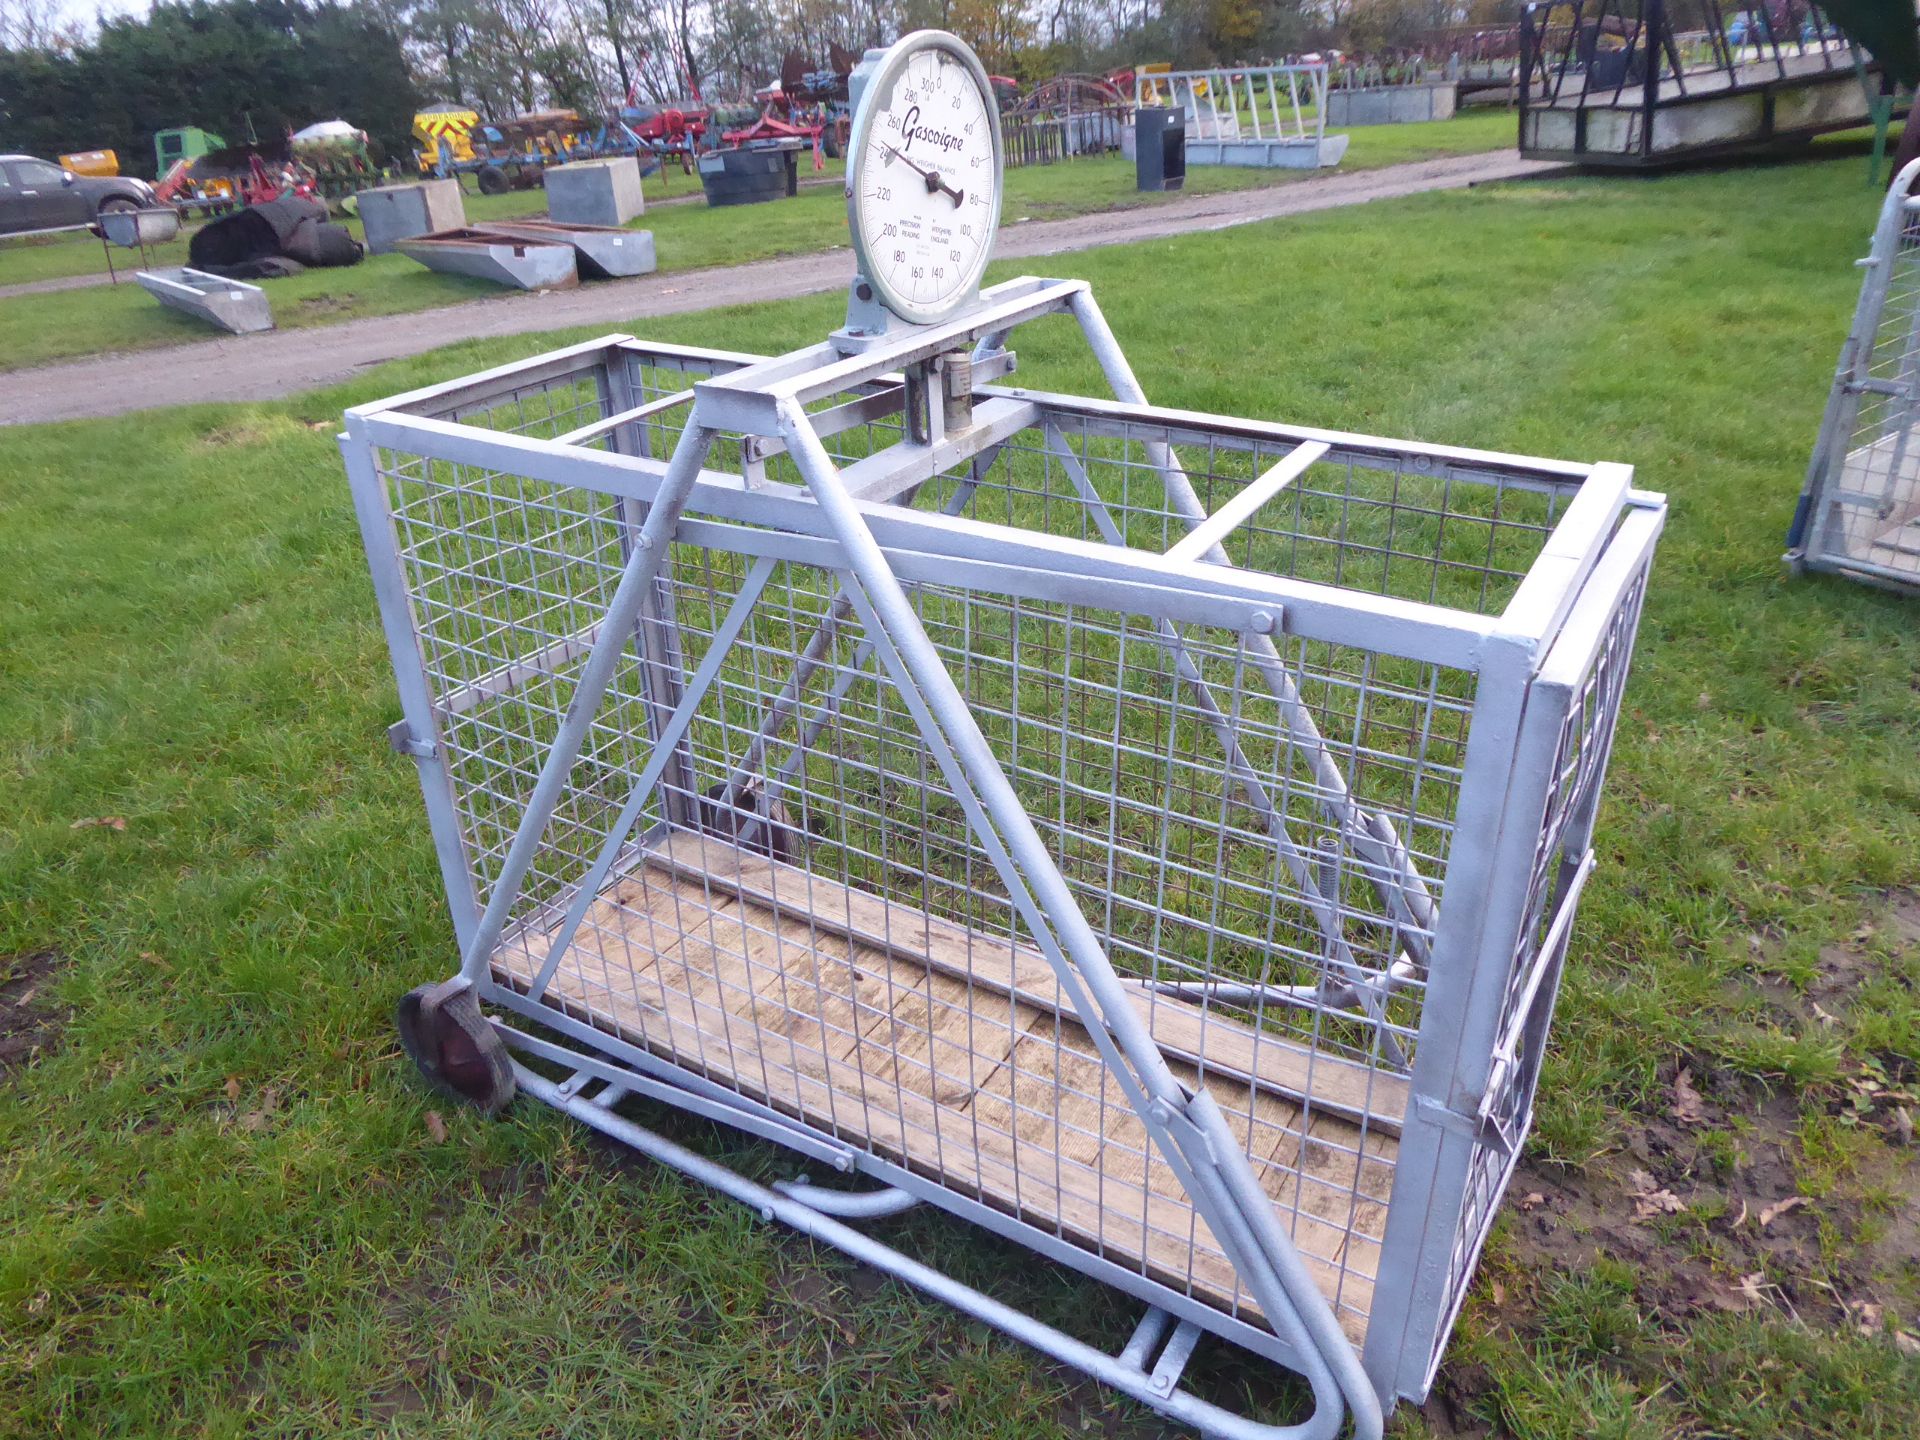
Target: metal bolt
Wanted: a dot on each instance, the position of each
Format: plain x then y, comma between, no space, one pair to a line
766,1213
1260,623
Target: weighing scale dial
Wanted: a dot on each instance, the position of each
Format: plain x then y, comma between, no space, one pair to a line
923,176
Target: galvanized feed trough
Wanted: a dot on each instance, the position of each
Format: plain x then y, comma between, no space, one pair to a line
503,260
231,305
600,252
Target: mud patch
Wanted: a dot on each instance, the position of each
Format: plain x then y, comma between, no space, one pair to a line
31,1021
326,304
1730,1198
1729,1215
252,430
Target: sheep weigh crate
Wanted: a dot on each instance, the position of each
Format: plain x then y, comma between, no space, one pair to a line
1151,836
1859,512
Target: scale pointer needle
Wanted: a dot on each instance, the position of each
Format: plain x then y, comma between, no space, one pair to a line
935,180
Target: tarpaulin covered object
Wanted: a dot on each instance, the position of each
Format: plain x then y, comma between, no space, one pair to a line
260,240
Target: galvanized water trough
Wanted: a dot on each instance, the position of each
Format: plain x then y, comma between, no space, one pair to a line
601,252
233,305
505,260
131,228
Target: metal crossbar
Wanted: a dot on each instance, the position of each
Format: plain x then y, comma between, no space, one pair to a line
1152,836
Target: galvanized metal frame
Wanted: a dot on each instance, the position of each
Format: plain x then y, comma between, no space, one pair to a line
1225,120
1865,471
1547,666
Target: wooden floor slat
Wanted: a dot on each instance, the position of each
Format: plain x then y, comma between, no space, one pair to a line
951,1053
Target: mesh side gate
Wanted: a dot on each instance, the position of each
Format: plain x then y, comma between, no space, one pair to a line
763,876
1859,513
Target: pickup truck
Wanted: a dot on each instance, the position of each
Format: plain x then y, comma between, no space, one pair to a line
38,195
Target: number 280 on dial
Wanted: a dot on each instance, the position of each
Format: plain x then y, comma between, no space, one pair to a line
923,183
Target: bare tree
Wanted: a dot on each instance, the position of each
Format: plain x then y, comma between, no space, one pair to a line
38,25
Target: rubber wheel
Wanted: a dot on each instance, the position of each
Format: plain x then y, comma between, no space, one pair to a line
493,181
447,1037
117,203
832,143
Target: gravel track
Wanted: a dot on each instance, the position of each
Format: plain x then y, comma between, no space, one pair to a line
286,362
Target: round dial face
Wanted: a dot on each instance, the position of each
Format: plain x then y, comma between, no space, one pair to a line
923,183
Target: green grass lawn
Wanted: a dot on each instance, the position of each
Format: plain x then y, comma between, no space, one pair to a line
224,1209
37,329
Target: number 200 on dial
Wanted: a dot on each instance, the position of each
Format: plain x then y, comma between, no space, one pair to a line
924,187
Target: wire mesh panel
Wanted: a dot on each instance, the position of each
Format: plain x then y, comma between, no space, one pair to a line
1860,512
1234,680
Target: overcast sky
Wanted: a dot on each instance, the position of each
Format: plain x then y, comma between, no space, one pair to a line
87,9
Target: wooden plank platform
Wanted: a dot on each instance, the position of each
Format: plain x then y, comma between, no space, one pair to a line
948,1051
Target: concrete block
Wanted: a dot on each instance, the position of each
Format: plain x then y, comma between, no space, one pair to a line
595,192
393,213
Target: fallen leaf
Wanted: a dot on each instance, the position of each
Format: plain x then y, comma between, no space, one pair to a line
233,1087
37,1303
109,822
1498,1291
1650,1199
436,1128
1743,1297
1532,1200
256,1119
1688,1108
1866,1316
1771,1213
1821,1015
1907,1343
